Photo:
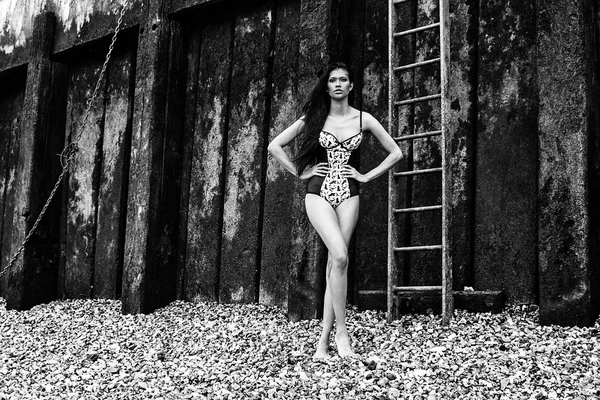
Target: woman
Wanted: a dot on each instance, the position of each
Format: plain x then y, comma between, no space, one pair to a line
330,132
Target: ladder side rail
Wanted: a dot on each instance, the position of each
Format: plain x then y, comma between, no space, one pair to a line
447,296
392,267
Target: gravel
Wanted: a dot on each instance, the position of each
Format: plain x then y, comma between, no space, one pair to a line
85,349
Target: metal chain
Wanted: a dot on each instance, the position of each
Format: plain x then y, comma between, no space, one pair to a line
69,152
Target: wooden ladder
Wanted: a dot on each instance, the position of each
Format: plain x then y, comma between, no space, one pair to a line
395,289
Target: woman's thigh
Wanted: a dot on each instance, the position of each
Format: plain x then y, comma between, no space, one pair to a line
325,221
347,213
335,227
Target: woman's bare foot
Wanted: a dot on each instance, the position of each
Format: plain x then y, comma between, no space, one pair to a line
322,352
343,344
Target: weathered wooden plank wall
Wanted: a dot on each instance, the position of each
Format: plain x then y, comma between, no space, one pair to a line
506,158
569,181
12,93
94,209
211,48
285,107
32,277
461,132
81,189
114,164
245,157
174,195
240,244
154,195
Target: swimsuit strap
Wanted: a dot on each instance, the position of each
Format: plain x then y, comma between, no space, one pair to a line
360,117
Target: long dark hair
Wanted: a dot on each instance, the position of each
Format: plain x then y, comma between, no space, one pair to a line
315,109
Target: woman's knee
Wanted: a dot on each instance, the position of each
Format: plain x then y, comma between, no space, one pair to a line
339,259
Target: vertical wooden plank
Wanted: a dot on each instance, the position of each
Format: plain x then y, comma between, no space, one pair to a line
567,63
285,108
164,279
83,180
150,267
205,211
33,279
245,147
162,288
591,24
112,195
460,132
10,206
11,113
193,33
506,183
51,224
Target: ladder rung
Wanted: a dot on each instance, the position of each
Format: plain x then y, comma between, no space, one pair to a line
417,209
418,100
418,135
417,289
417,64
418,172
372,292
418,248
415,30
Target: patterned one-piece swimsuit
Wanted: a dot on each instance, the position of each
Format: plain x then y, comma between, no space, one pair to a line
334,187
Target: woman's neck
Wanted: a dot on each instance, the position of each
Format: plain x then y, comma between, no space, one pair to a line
339,109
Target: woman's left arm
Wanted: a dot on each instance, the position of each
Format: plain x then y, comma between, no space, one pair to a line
371,124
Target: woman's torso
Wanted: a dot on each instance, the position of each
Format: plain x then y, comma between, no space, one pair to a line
336,153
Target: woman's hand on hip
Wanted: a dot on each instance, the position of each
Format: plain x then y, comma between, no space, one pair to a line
350,172
320,169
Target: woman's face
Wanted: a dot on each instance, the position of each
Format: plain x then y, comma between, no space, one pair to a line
338,84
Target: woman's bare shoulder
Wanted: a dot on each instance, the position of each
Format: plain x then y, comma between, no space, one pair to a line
368,120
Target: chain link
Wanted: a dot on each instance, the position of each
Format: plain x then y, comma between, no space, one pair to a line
70,151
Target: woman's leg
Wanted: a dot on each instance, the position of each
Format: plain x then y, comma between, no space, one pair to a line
328,319
347,213
335,227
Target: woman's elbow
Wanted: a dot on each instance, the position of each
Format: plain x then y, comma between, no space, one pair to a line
398,156
271,148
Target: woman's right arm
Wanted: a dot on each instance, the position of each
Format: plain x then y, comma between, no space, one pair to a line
283,139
